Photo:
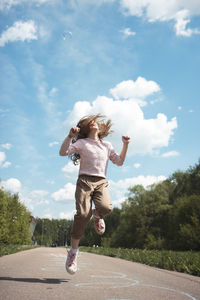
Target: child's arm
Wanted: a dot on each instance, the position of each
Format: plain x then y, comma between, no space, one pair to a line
125,140
65,145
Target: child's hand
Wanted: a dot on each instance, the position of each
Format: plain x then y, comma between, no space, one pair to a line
125,139
73,131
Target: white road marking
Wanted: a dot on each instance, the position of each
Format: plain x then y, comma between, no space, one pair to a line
126,282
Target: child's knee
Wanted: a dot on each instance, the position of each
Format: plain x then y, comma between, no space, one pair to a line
83,216
104,210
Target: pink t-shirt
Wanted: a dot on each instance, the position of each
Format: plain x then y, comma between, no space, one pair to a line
94,156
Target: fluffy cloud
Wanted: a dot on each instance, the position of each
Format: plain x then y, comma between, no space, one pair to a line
119,188
28,202
20,31
66,193
182,19
70,170
147,135
12,185
137,90
3,163
180,11
67,215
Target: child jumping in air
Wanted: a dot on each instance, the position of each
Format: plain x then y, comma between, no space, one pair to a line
85,143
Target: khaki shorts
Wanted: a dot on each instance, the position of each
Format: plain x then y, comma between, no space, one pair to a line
90,189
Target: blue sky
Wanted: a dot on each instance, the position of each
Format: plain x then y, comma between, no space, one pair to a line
137,62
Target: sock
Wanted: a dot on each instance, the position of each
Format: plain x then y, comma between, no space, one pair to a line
74,250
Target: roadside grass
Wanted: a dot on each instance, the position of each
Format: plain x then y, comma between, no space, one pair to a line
180,261
10,249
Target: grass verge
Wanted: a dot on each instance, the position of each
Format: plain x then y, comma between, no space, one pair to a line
185,262
10,249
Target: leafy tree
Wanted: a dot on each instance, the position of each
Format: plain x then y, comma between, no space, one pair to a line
14,220
184,224
4,228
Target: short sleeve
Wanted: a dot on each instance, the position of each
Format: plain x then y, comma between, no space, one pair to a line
74,148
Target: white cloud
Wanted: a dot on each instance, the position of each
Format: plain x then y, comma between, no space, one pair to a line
137,90
67,215
127,32
28,202
6,164
66,193
180,11
6,4
47,216
179,107
3,163
6,146
12,185
53,143
182,19
20,31
119,188
70,170
137,165
33,199
147,135
170,154
2,157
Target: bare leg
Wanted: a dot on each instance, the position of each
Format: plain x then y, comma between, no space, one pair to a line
75,243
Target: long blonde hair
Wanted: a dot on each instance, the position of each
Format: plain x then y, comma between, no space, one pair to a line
84,125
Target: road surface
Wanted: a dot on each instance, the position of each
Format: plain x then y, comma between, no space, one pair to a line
40,274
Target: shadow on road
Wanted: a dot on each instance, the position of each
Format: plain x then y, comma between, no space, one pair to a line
36,280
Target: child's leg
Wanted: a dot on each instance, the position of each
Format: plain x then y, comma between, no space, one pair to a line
75,243
82,217
83,208
101,198
103,206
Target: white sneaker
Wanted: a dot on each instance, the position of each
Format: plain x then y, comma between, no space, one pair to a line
71,262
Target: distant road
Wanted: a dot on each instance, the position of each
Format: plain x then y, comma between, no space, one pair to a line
40,274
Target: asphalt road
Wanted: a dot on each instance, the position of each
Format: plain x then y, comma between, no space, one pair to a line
40,274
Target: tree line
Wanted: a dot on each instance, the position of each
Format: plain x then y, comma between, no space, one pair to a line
162,216
53,232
